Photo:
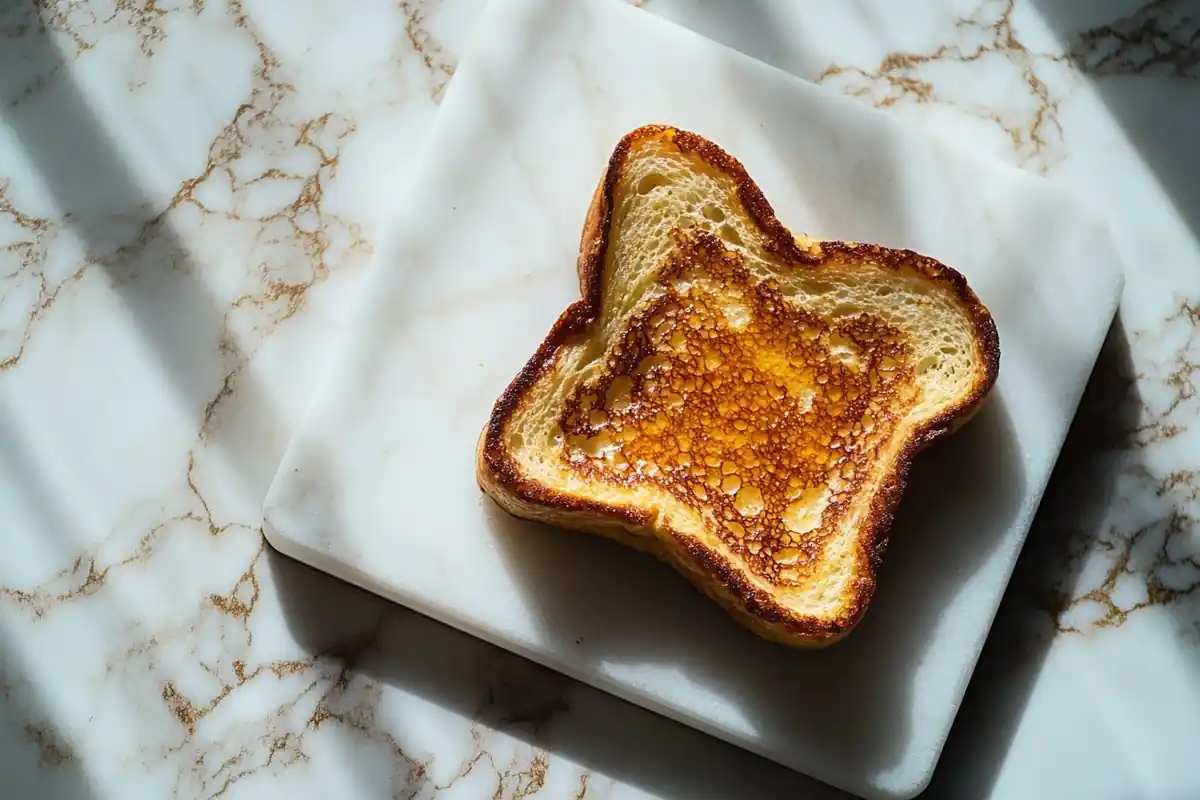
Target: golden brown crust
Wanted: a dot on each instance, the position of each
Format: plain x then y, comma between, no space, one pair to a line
500,476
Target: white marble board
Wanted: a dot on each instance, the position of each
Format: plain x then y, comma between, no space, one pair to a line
377,485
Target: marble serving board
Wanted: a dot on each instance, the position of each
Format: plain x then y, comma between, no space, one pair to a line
378,485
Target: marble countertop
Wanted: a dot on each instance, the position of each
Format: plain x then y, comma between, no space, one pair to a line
188,191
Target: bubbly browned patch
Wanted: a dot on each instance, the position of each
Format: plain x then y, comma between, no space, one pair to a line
760,415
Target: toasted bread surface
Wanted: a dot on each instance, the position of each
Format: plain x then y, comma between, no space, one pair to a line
738,401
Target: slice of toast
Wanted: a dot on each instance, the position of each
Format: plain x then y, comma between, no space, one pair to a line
738,401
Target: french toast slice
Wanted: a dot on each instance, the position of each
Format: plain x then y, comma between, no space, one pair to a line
740,402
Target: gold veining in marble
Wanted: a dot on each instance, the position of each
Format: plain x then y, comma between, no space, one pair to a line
438,62
361,717
189,713
86,576
30,251
263,125
1160,38
1153,562
65,22
52,750
526,781
1178,378
339,696
71,18
523,776
146,18
1122,547
240,601
65,19
1034,130
260,124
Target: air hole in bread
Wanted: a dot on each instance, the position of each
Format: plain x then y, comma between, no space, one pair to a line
846,310
950,351
516,441
730,235
714,213
651,182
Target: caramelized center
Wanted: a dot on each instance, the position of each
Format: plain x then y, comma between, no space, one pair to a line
761,416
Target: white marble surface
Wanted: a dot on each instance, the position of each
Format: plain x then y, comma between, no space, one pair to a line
478,262
187,193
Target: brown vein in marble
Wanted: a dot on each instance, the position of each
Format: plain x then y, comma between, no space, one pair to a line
213,528
528,781
278,300
1158,592
272,302
56,15
33,224
439,63
47,296
478,753
30,253
898,79
85,576
1181,411
308,225
1153,556
281,751
41,19
52,750
262,117
235,604
1160,38
362,718
345,701
67,22
239,602
351,701
516,694
146,19
189,714
516,779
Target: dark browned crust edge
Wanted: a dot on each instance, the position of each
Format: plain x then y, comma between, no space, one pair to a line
504,475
